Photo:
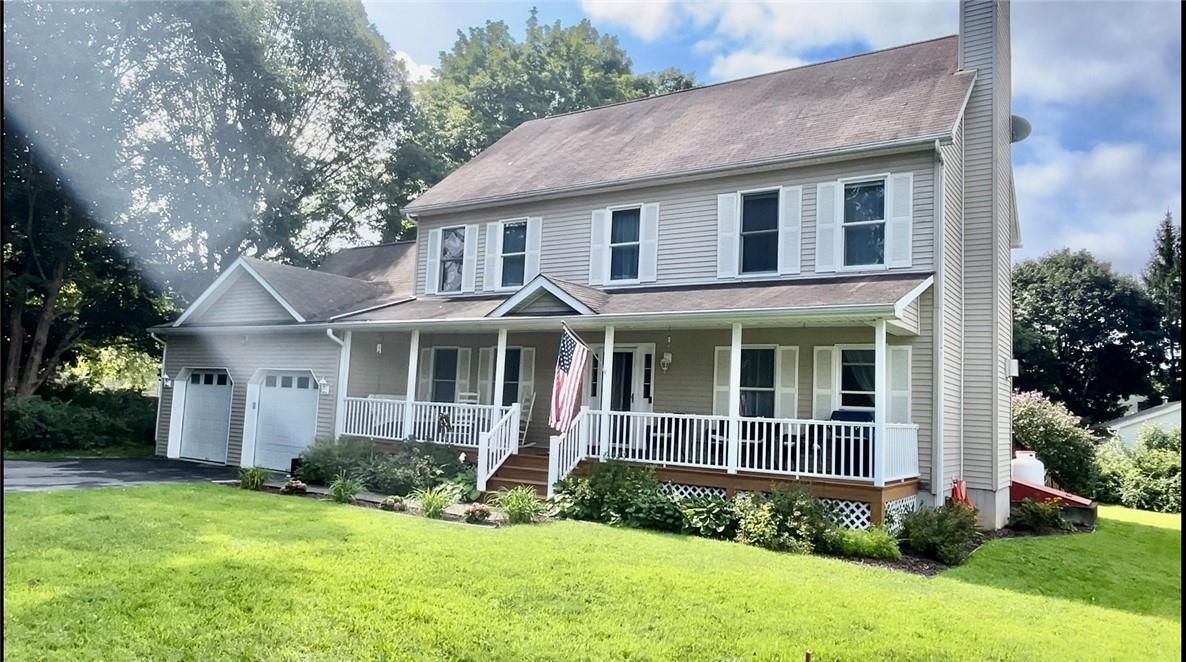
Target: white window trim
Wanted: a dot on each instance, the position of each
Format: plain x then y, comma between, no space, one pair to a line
756,275
498,286
776,389
837,365
440,258
610,245
841,225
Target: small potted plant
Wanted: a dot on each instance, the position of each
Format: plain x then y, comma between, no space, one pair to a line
294,486
477,513
394,504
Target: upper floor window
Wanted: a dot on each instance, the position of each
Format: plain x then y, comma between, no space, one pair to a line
514,253
759,232
864,223
624,244
452,258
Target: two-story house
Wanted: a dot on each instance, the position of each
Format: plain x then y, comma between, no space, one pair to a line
802,276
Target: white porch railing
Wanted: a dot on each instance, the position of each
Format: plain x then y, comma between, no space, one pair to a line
790,447
496,445
453,423
566,451
381,418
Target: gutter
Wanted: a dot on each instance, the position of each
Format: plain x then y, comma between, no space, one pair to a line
889,146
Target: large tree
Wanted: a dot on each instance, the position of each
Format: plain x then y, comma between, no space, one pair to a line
1163,281
1086,336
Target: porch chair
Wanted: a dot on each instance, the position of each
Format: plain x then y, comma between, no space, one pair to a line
463,426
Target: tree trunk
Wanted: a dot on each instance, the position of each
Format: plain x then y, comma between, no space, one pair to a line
16,346
30,376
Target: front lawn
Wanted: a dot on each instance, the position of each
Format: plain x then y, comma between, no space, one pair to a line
207,572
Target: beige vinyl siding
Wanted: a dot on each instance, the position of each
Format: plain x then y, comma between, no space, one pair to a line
378,373
952,313
240,300
544,304
986,258
910,319
688,220
278,351
1003,297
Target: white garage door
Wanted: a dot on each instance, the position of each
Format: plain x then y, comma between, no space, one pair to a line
286,419
206,418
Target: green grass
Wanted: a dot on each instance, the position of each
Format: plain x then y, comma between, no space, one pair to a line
206,572
129,450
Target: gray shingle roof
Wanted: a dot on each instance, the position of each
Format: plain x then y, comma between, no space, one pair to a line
902,93
393,263
318,295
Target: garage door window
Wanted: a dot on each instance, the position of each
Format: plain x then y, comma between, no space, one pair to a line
208,378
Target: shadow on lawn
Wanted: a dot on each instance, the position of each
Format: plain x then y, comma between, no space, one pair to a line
1122,565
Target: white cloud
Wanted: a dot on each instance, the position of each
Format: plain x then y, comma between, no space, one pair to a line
747,63
1107,199
416,72
646,20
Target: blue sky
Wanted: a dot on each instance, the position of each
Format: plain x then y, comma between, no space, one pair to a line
1099,81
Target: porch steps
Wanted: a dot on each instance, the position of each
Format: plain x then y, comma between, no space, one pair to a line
523,468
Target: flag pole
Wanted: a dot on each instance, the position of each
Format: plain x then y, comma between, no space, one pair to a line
574,333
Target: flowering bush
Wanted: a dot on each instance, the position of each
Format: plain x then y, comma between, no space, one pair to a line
294,486
393,504
477,513
1054,433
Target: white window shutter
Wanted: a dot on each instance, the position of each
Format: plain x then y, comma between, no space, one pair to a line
463,371
599,247
827,226
491,280
790,216
720,382
899,230
469,264
526,373
728,235
424,379
534,242
787,374
432,270
899,384
485,374
823,395
648,250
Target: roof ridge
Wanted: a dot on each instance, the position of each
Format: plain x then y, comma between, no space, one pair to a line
743,79
305,270
397,242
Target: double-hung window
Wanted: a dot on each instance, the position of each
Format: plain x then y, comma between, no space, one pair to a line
757,382
624,243
510,382
514,253
444,374
857,380
864,223
759,232
452,258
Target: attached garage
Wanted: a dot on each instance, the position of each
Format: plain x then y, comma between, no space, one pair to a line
285,416
205,413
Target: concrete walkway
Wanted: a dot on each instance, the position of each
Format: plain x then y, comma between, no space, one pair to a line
27,475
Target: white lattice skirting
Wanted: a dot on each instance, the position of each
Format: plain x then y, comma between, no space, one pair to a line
898,508
850,514
681,491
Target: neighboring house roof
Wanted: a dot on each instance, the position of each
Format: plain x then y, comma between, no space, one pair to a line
814,294
911,92
1141,416
393,263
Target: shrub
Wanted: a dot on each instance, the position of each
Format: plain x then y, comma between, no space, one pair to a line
294,486
388,474
327,458
477,513
874,543
789,520
652,510
434,500
344,488
1148,477
76,419
253,478
1153,437
522,504
467,483
1038,516
1113,467
573,499
1054,433
709,517
945,534
393,504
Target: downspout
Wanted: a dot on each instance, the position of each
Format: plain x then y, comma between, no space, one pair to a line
343,379
937,329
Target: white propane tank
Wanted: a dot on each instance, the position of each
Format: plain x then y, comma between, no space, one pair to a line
1026,466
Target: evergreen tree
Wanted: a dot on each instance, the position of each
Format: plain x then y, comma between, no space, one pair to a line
1163,281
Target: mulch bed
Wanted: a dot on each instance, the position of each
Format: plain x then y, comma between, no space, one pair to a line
915,565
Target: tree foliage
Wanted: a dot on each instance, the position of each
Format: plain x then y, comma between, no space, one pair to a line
1085,336
1163,281
1061,443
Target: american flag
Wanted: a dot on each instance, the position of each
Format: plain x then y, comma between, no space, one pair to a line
566,386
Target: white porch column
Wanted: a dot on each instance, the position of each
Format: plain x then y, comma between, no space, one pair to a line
410,392
343,382
500,368
734,399
880,400
607,389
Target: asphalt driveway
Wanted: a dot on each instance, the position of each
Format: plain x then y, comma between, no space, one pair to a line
27,475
